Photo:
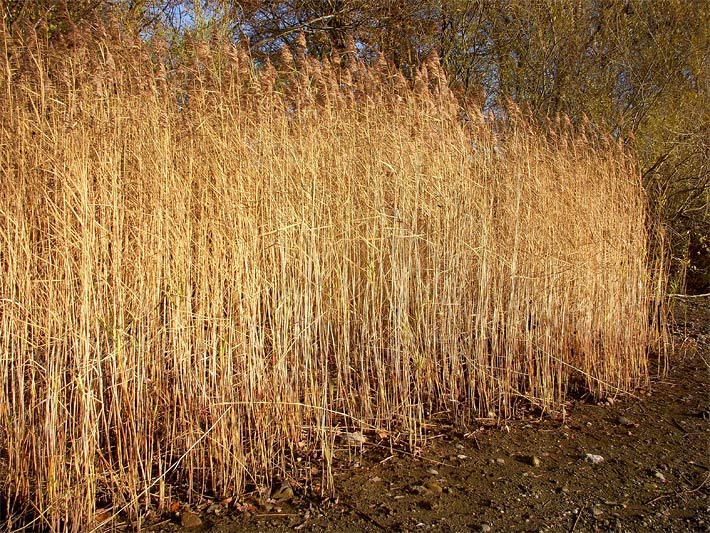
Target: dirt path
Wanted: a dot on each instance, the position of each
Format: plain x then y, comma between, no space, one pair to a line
528,475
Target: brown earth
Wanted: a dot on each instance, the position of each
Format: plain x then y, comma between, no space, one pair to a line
527,475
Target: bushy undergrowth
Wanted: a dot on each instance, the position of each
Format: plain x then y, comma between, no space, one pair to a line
210,270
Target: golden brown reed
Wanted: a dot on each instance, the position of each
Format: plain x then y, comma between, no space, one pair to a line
209,270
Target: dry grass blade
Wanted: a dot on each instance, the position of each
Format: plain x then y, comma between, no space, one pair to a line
208,273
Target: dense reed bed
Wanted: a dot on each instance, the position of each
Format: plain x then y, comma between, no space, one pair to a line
210,270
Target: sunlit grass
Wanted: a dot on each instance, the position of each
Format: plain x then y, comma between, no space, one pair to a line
207,273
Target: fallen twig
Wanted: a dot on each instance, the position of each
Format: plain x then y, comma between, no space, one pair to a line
365,516
579,514
688,491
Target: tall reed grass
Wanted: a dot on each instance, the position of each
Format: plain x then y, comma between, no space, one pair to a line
209,270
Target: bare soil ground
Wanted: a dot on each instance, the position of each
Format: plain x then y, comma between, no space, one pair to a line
528,475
